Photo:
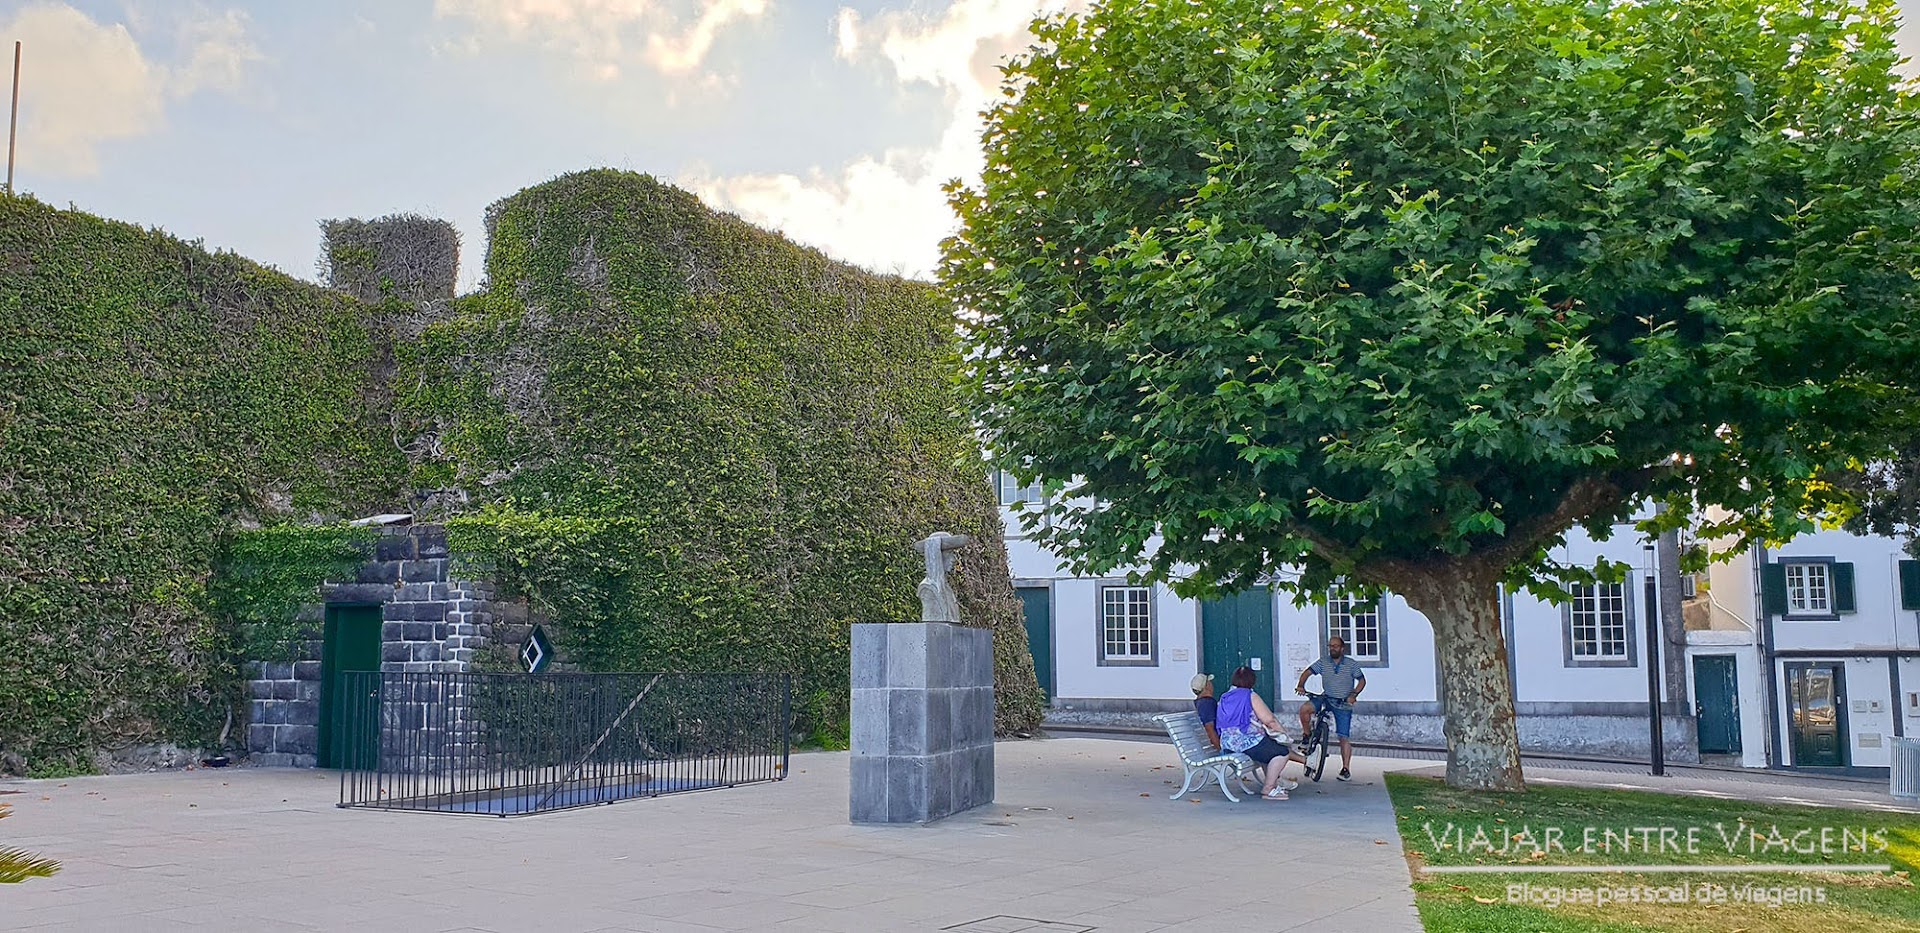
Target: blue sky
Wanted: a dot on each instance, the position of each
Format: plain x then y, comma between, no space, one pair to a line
245,123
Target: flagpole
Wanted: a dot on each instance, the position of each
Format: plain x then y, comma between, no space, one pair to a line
13,121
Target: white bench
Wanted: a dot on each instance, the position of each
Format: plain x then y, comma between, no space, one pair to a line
1202,761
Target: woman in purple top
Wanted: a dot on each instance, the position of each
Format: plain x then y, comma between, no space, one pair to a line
1247,726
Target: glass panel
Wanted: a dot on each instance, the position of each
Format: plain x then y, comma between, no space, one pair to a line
1127,622
1599,621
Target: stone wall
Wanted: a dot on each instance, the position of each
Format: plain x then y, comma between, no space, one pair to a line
429,624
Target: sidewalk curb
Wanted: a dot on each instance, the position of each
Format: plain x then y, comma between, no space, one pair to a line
1541,759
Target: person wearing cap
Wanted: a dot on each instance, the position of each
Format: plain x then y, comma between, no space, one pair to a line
1247,726
1206,707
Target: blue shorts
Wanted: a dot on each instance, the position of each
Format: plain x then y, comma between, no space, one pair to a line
1342,715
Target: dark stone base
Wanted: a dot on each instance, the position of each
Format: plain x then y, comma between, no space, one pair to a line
922,718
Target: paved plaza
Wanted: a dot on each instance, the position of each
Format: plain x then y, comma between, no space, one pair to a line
1082,837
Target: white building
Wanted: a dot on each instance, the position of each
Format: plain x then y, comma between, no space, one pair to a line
1808,655
1108,651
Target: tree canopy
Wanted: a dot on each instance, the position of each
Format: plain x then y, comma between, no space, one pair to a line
1398,292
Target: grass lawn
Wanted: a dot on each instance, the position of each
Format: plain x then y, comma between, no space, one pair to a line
1561,827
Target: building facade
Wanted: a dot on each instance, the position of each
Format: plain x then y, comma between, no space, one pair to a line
1112,652
1808,655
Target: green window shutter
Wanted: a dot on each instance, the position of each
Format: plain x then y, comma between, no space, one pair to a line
1910,584
1773,590
1843,587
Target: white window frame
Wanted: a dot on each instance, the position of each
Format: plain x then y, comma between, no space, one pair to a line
1599,606
1009,490
1340,617
1810,596
1139,637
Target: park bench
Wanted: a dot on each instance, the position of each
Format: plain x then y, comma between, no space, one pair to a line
1201,760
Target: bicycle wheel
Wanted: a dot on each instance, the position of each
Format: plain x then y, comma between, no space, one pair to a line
1318,747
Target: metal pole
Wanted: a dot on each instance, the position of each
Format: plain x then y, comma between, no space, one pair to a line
13,121
1656,734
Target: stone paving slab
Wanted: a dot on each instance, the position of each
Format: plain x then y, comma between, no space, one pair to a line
1071,841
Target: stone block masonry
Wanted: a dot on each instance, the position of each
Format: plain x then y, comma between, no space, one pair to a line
922,720
430,623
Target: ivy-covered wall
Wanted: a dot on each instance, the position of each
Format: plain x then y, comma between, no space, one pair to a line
155,398
692,444
697,446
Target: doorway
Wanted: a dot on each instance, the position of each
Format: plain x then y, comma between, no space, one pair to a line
349,706
1036,605
1817,714
1716,704
1237,631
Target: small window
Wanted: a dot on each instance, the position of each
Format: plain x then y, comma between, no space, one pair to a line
1809,589
1599,626
1126,625
1359,625
1011,490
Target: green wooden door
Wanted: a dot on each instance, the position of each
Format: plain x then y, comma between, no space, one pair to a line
349,706
1036,603
1716,703
1237,631
1816,714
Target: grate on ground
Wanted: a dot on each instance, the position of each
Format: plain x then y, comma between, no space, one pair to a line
1005,924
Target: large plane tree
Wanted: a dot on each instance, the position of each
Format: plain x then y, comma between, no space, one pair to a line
1397,293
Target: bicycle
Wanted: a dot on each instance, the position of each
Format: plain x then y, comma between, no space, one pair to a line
1315,740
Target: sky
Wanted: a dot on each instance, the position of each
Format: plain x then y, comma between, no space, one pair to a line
244,124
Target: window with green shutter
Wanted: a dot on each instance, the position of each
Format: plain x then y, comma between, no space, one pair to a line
1910,584
1808,589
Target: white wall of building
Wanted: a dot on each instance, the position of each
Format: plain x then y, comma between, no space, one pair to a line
1877,621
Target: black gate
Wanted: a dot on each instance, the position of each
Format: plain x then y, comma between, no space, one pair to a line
516,744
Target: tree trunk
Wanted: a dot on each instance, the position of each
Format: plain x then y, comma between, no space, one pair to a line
1483,746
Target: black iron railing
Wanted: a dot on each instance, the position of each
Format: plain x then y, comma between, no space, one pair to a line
515,744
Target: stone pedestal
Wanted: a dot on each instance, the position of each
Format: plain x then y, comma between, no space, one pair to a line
922,721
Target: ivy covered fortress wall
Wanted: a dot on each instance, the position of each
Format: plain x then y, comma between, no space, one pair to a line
155,397
686,441
696,446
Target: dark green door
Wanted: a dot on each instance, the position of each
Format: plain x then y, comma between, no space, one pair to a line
1237,631
1036,602
1816,714
349,706
1716,703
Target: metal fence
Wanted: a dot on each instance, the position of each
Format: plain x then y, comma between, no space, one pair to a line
515,744
1903,778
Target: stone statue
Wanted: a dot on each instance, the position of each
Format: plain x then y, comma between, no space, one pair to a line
937,600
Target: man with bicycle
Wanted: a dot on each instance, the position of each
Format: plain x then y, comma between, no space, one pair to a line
1341,681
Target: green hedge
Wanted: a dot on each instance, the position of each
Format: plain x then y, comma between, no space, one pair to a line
698,446
154,398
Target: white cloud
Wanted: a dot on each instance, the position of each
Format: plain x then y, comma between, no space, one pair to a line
598,34
218,57
888,211
86,84
846,33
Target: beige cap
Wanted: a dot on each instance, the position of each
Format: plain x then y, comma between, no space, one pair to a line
1200,682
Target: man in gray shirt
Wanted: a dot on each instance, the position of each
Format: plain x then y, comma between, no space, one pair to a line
1341,681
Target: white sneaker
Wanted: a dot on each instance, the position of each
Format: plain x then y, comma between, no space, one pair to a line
1289,784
